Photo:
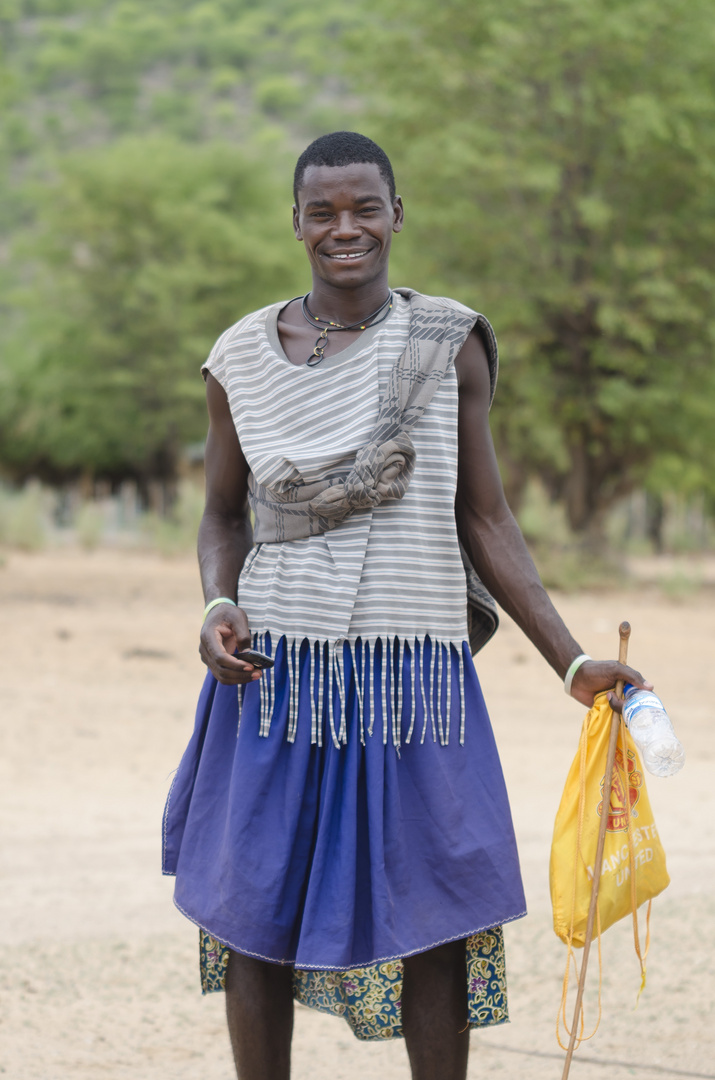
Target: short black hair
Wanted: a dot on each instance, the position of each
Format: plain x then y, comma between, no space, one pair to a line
341,148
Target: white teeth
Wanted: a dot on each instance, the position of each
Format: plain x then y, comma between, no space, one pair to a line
352,255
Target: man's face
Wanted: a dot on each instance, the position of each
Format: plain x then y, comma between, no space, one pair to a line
346,219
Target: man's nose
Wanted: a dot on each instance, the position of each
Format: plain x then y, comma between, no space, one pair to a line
346,225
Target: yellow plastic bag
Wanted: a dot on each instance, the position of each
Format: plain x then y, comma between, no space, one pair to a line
633,866
632,869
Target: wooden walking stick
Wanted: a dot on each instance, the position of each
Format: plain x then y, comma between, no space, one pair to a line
624,632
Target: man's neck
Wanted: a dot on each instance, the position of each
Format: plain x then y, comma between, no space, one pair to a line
347,306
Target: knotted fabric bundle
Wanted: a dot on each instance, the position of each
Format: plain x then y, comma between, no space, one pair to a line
381,471
383,468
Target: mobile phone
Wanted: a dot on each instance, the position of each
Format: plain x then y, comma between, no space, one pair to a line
258,659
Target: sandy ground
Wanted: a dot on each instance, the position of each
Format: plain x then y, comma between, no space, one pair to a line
98,971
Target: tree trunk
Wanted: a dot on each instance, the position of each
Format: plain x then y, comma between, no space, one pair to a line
654,519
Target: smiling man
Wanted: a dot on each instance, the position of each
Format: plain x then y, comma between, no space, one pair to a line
338,825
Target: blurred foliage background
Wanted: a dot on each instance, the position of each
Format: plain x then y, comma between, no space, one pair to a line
557,162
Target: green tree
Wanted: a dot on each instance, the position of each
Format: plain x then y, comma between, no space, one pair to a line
147,251
557,160
128,254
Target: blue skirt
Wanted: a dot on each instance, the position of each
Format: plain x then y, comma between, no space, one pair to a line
337,859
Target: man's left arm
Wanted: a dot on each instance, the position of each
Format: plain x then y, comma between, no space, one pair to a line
493,540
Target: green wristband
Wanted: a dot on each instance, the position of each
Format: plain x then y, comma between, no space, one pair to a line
214,603
575,665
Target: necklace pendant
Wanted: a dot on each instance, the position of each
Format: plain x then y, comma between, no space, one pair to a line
318,352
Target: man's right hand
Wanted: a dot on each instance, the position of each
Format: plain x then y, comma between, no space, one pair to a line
225,632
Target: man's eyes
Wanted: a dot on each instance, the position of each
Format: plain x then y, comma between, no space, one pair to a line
321,215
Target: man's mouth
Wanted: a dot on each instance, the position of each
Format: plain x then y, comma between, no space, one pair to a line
347,256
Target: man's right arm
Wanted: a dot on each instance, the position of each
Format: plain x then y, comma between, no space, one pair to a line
225,538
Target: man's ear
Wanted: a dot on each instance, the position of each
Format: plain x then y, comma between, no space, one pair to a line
296,225
398,212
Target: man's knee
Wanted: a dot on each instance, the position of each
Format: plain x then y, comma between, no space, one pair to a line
247,970
443,959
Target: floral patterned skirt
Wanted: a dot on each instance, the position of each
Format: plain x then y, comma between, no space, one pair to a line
369,998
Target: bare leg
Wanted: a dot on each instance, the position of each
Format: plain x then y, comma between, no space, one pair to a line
259,1010
434,1013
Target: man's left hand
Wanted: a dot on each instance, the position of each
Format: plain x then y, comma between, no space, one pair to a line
596,675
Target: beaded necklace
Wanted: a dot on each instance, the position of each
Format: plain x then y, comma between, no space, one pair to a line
320,345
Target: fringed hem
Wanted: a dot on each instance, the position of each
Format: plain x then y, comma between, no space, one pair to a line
391,679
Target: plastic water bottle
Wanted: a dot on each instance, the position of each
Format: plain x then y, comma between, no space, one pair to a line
652,732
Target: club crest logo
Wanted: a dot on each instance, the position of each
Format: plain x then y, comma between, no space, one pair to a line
618,810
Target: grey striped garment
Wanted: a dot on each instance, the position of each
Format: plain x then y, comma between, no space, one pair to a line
393,573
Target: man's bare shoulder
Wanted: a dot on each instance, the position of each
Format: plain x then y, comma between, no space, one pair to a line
473,368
